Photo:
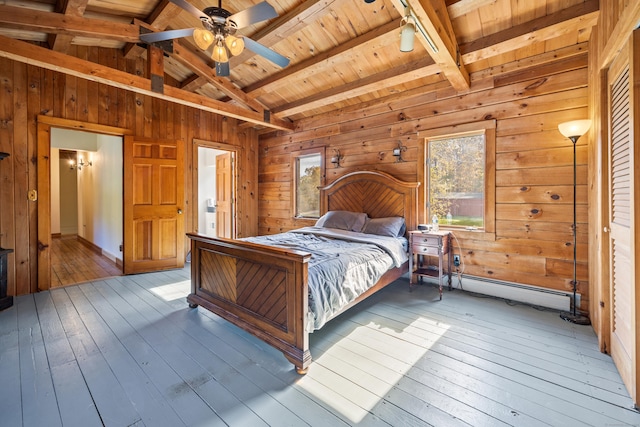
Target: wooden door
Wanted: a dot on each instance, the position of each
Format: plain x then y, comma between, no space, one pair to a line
224,195
153,205
622,236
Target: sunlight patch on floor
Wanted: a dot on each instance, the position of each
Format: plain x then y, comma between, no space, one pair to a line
173,291
357,373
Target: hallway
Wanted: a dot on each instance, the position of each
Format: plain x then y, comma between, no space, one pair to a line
73,262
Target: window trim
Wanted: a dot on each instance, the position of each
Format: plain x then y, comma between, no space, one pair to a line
294,178
488,127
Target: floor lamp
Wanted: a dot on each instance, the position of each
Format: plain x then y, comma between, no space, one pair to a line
574,130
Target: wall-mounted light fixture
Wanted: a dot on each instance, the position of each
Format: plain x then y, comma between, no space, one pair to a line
336,158
397,152
407,31
574,130
80,164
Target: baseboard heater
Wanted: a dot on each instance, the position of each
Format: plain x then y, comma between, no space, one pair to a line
528,294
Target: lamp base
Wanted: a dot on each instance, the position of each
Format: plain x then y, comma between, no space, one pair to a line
578,319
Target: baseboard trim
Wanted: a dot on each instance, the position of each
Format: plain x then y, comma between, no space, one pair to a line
95,248
528,294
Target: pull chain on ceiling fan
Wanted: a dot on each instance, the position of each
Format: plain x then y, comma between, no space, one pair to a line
219,31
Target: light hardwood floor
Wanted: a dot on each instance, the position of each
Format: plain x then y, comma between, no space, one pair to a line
128,351
74,262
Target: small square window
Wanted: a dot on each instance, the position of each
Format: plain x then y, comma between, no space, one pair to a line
308,177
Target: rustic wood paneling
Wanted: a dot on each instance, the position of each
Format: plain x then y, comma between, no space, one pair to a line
533,242
29,91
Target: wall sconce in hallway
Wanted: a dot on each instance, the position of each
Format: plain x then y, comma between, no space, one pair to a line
80,164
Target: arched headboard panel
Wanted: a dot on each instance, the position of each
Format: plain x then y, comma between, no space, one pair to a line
378,194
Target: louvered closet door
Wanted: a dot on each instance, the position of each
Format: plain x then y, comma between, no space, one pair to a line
621,214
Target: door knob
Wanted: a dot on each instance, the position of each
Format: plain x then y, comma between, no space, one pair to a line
179,211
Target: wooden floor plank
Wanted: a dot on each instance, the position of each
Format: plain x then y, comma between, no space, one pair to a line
74,399
110,398
10,399
244,388
399,358
150,404
39,406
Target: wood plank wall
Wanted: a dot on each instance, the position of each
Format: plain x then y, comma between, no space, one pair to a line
27,91
533,243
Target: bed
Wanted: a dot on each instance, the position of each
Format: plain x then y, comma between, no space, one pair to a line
264,289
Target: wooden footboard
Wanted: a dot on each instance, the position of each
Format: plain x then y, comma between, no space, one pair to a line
261,289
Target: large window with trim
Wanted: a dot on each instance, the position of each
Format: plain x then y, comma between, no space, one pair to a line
460,177
307,178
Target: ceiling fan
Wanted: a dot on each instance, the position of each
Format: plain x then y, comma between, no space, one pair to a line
219,31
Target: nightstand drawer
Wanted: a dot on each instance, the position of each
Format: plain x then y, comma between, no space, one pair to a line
425,240
420,249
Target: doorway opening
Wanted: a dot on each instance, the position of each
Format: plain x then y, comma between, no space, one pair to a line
216,190
86,206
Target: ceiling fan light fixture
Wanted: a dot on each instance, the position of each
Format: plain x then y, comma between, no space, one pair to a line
407,31
203,38
220,52
234,44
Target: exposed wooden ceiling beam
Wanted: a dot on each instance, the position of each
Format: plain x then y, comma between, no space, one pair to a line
563,22
159,19
34,55
463,7
56,23
186,57
288,24
61,42
308,67
394,76
440,40
190,59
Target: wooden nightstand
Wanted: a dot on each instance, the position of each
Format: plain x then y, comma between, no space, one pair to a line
429,244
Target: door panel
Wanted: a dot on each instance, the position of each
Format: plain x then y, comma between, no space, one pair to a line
224,195
153,205
622,219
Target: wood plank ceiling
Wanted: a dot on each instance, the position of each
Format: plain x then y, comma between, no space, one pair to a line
343,53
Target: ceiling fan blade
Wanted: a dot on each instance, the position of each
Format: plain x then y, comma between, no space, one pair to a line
190,8
166,35
222,69
257,13
260,49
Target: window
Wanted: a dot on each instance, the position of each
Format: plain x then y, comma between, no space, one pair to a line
459,176
308,177
456,180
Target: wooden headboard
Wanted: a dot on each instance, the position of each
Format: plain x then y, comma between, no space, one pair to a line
378,194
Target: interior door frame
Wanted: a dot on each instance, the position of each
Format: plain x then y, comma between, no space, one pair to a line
237,165
44,125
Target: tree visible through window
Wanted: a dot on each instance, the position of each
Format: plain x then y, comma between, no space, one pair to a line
456,171
308,179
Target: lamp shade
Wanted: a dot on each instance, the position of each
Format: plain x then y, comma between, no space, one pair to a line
575,128
220,53
202,38
235,44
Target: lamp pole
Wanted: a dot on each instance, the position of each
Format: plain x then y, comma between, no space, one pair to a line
574,130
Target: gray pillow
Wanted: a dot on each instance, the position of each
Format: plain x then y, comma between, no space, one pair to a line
343,220
391,226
